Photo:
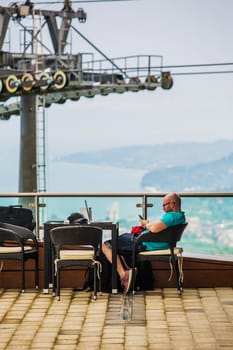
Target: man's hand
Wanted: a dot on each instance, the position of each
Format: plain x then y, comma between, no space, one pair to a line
144,222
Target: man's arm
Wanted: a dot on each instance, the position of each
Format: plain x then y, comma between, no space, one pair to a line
154,227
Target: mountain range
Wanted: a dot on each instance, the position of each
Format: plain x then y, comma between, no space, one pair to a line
181,167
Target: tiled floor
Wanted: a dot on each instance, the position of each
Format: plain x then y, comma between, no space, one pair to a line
201,319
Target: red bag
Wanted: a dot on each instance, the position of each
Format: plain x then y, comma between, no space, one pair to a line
137,229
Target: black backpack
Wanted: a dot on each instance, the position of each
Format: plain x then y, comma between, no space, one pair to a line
17,215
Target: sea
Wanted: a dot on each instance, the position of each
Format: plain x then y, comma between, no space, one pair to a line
74,177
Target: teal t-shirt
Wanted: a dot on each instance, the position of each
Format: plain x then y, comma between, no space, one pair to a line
171,218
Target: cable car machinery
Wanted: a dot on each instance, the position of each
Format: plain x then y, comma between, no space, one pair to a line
42,79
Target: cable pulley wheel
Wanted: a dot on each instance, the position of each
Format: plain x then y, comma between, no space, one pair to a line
134,81
166,80
151,80
60,80
44,80
27,82
12,84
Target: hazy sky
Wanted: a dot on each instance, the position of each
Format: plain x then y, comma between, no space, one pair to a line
197,108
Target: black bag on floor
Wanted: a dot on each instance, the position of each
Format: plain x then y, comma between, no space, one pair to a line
17,215
145,279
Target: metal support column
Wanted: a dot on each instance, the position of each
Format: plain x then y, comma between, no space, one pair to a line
28,155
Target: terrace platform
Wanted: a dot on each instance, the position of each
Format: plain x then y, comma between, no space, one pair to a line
199,272
161,319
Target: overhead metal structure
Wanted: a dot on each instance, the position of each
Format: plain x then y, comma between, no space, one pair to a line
41,79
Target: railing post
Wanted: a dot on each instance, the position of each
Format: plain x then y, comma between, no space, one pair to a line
144,206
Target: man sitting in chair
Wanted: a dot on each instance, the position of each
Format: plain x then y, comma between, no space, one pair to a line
173,216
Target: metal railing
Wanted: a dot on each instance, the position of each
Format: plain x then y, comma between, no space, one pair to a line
140,66
210,215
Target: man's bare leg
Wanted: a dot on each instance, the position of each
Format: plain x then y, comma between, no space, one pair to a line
108,253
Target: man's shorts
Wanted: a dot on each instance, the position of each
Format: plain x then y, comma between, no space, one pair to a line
124,244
